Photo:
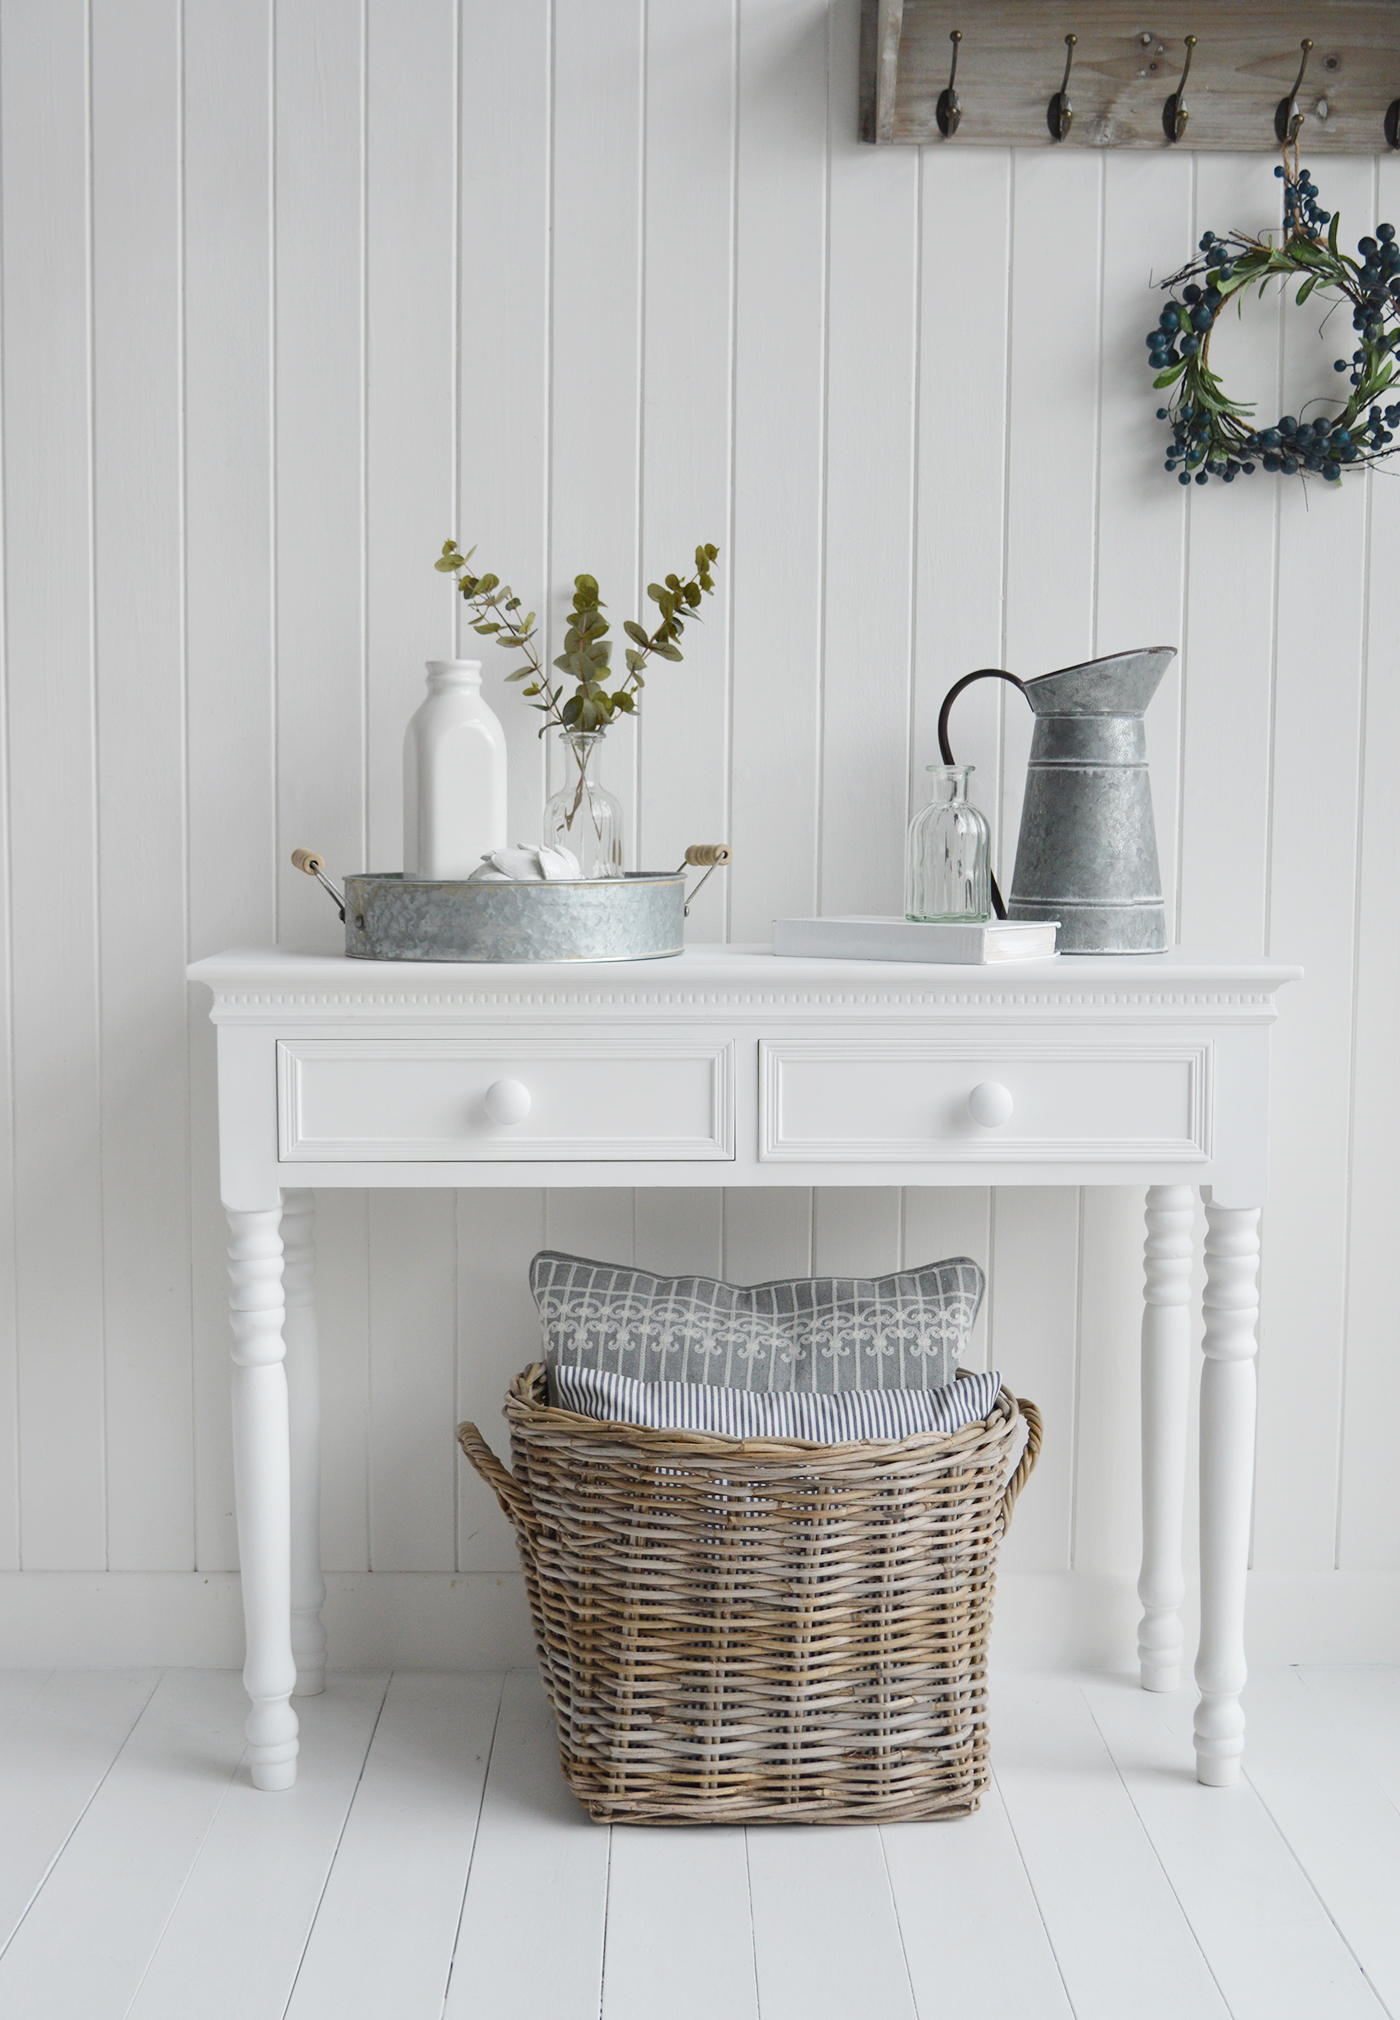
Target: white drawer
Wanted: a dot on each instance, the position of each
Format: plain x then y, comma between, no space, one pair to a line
346,1100
905,1100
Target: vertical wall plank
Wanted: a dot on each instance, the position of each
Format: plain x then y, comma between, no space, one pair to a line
342,1319
49,651
320,406
1052,495
141,785
872,304
779,459
410,383
1033,1331
1140,564
412,1381
1107,1489
596,416
503,396
683,732
1368,1530
498,1334
945,1221
1228,646
228,624
1312,918
855,1230
679,1230
767,1232
961,526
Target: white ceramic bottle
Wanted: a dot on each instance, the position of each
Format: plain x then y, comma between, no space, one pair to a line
454,776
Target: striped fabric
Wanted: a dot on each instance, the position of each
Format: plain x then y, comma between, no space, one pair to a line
765,1413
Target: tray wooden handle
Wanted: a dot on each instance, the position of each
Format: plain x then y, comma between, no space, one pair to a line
308,860
701,854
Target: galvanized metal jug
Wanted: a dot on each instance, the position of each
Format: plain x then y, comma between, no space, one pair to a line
1087,851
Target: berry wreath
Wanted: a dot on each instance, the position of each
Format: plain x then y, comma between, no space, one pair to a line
1211,434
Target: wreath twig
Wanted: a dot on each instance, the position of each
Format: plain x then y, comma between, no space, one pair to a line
1213,435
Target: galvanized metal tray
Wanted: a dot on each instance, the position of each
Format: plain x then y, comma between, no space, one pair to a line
636,917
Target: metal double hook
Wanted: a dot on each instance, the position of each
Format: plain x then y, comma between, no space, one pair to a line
1059,113
1174,113
1287,118
948,111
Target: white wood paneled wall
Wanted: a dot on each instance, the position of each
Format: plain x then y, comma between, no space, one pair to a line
293,289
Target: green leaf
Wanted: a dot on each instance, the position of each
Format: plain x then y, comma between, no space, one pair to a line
572,709
511,640
711,553
668,652
623,700
692,594
448,567
1306,289
486,583
520,673
1171,375
588,715
1332,231
486,630
635,659
635,632
655,591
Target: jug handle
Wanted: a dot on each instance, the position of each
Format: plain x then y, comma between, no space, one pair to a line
945,749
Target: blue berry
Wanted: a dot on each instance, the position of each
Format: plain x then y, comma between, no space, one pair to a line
1201,477
1161,413
1184,478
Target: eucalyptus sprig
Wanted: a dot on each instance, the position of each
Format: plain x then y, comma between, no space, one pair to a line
1213,435
587,648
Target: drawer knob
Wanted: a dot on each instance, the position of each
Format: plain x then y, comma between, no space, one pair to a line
507,1101
990,1104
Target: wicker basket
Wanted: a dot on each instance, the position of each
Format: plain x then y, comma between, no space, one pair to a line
761,1630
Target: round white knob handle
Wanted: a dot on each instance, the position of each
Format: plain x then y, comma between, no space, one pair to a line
507,1101
990,1104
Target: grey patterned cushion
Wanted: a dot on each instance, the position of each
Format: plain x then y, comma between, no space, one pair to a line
821,1334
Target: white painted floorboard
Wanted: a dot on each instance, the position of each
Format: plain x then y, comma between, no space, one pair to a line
431,1862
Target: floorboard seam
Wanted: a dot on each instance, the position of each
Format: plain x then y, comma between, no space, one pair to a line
607,1904
476,1834
894,1904
1366,1978
1161,1863
97,1788
1016,1841
335,1854
753,1932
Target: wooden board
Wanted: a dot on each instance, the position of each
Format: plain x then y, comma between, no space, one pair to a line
1012,57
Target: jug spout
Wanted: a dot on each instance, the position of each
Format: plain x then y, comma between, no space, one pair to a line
1121,685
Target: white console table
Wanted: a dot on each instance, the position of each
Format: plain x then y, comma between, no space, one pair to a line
726,1066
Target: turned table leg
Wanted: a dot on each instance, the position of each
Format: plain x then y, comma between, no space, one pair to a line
1166,1379
304,1432
261,1476
1227,1482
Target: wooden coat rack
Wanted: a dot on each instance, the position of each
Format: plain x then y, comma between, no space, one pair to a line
1100,73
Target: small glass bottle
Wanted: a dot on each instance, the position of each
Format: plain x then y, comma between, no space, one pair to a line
583,815
948,871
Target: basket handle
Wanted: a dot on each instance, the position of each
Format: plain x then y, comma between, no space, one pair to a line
499,1478
1034,1435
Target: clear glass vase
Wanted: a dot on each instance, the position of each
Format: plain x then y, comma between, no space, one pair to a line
583,815
948,871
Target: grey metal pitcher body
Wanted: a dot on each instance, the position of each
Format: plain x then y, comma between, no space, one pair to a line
1087,852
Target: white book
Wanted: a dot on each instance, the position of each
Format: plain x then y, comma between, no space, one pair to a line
890,939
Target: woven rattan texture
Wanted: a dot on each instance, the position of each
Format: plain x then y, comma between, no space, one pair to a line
738,1632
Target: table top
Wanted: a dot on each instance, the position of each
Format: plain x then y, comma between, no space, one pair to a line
259,980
